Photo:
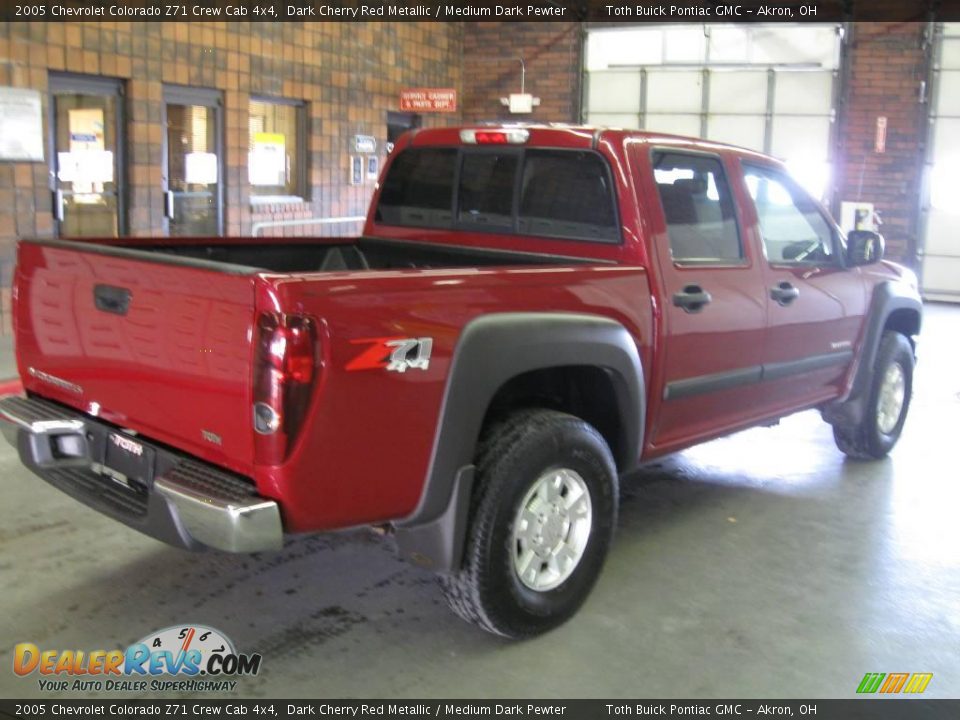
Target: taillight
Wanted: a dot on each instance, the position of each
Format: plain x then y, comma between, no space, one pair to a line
285,367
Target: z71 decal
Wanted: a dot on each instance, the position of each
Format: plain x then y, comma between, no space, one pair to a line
393,354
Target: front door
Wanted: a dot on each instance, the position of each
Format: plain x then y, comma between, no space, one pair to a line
85,164
816,305
712,301
193,162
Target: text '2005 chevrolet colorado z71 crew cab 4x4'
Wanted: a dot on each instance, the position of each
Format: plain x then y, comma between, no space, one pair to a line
529,313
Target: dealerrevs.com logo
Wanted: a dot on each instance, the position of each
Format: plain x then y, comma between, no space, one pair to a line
185,658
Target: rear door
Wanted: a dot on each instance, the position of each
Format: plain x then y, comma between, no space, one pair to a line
163,349
815,304
712,299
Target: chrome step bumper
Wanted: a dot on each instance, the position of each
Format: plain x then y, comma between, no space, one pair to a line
186,502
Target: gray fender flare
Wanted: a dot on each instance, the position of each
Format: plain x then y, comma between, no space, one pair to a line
888,297
492,350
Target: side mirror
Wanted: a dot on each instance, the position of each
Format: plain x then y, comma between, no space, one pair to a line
864,247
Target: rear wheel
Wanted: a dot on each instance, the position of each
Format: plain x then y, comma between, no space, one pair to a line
890,390
543,518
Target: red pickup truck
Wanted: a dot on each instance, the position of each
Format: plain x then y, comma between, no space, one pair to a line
530,313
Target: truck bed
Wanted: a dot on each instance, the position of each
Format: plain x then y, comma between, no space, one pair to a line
159,337
343,254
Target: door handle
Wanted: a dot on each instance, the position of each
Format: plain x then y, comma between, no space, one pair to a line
170,206
58,205
784,293
692,298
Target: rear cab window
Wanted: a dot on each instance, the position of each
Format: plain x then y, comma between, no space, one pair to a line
486,189
554,194
567,195
418,191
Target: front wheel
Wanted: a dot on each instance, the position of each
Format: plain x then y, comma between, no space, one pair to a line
890,390
543,518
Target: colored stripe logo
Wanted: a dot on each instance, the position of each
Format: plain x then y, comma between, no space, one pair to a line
918,682
894,683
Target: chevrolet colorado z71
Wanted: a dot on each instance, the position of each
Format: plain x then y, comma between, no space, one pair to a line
530,313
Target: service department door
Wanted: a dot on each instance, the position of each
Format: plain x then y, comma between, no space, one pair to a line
940,257
193,161
85,163
769,88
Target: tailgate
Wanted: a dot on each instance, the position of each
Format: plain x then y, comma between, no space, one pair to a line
159,346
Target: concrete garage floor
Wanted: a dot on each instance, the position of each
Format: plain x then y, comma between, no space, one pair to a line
762,565
8,362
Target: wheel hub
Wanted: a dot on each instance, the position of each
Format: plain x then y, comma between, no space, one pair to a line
551,529
890,399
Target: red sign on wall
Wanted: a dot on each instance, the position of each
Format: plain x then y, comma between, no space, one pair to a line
426,100
880,141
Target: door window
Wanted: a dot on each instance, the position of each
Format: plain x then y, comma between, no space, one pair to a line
793,228
85,160
698,208
193,162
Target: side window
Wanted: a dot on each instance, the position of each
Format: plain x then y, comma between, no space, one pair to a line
418,190
793,229
567,194
486,189
698,208
276,164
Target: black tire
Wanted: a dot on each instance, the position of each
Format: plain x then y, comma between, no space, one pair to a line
513,456
868,440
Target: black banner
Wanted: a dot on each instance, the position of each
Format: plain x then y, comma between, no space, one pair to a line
481,10
881,709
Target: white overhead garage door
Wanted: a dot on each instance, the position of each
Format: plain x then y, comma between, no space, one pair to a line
769,88
940,269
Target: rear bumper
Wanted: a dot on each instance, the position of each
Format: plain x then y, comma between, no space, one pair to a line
185,502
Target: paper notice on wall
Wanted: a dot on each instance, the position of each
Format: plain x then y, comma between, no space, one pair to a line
85,167
267,164
86,129
200,168
857,216
21,124
87,164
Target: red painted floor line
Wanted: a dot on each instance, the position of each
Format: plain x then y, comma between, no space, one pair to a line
13,386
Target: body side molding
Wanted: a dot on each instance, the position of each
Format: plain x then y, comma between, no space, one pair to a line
702,384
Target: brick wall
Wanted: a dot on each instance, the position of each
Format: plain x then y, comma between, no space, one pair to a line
349,75
491,69
886,65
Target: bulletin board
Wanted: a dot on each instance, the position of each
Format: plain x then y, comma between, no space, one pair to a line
21,125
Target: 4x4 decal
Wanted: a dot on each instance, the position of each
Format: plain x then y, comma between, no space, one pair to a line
394,354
